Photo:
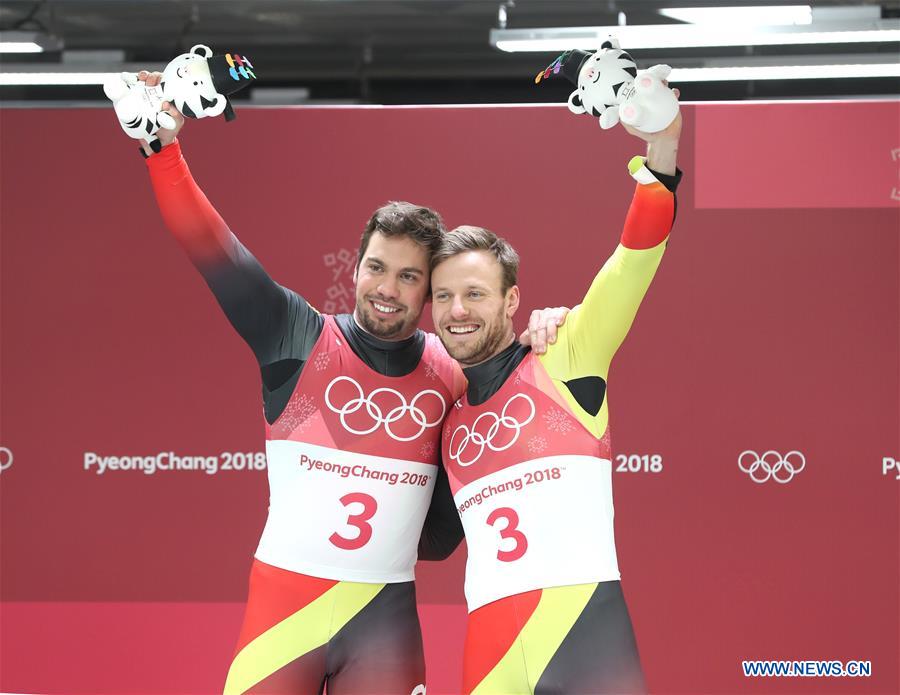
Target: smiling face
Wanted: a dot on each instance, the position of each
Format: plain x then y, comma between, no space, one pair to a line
602,77
472,314
391,286
188,83
591,71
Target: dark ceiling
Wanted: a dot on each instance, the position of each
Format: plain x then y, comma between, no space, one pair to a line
390,52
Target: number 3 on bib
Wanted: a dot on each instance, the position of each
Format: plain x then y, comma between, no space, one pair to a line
370,506
509,531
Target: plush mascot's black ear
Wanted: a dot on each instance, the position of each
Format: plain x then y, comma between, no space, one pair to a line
575,104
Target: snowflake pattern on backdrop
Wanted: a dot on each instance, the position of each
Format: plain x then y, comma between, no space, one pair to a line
340,262
339,295
297,415
339,299
558,421
537,445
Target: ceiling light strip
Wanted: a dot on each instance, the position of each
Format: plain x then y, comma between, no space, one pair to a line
767,15
20,47
692,36
784,72
10,79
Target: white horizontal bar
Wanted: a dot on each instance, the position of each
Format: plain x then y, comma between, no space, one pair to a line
766,15
784,72
20,47
692,36
8,79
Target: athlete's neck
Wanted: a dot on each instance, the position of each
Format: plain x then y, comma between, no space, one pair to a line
504,346
486,378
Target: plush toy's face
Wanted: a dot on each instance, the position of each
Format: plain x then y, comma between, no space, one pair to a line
187,82
600,79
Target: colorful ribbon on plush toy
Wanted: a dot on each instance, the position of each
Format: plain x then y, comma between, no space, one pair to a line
553,68
230,72
239,66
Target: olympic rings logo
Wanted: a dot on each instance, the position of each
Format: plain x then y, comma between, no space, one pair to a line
476,439
772,465
377,414
6,458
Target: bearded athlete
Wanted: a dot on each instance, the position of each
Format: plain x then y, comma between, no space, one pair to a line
353,407
528,456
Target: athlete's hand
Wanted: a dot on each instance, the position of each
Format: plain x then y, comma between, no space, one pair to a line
672,132
542,326
662,147
166,135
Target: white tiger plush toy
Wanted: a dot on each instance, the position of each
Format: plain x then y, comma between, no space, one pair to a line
610,87
197,83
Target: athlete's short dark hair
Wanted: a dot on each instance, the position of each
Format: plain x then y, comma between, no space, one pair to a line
468,238
398,219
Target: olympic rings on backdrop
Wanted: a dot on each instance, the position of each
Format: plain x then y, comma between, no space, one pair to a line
6,458
771,464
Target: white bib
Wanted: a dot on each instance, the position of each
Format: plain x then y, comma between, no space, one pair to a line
538,524
341,515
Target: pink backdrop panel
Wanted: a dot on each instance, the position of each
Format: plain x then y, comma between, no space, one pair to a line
767,328
798,155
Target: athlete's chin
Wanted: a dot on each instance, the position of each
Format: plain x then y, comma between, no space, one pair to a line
382,327
463,353
387,331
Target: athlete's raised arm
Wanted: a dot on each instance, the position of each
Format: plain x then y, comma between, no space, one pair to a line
598,326
261,311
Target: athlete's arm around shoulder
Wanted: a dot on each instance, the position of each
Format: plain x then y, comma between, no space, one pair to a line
261,311
597,327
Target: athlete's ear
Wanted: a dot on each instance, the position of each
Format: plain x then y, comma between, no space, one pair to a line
512,301
355,268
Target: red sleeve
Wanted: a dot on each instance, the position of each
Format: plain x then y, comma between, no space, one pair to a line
650,217
188,214
259,309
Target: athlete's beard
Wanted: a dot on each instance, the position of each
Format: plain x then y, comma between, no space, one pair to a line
491,341
383,329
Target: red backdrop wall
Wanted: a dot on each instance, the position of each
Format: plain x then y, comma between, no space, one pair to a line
772,325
